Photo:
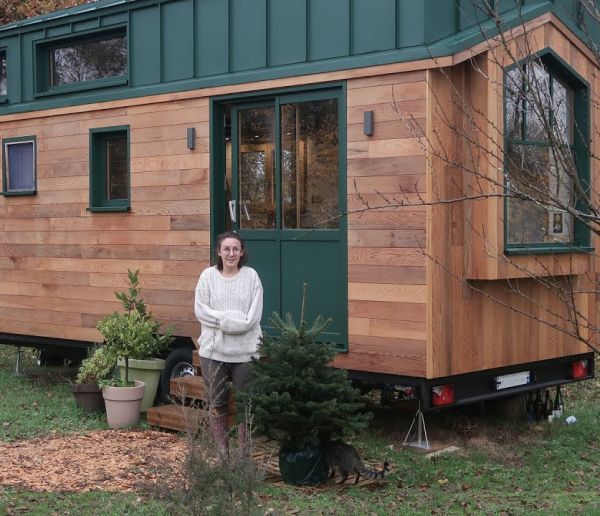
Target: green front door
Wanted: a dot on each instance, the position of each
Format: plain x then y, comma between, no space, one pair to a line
284,190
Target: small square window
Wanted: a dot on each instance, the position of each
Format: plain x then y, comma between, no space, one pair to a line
109,169
18,166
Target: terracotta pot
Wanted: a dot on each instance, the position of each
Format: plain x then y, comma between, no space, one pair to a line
147,371
88,396
123,404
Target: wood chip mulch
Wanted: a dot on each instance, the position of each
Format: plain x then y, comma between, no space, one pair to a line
114,460
107,460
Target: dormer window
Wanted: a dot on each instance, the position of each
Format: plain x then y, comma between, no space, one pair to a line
89,61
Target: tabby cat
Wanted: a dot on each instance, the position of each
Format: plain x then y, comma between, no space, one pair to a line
344,458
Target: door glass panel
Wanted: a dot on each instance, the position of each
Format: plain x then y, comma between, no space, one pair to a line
309,165
228,186
256,168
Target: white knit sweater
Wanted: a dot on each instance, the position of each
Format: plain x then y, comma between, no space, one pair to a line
230,310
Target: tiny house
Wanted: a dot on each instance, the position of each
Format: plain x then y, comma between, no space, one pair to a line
358,146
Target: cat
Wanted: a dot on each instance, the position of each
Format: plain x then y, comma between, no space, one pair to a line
344,458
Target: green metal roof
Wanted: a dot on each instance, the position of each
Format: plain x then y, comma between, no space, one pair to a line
177,45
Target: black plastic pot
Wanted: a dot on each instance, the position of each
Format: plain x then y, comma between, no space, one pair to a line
302,467
88,396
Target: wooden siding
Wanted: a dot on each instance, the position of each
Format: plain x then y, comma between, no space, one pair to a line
61,264
485,310
386,260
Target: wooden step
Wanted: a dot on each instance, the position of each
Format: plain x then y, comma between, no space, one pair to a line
190,387
175,417
178,417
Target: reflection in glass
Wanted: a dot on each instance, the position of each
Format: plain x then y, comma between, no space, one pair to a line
539,189
563,111
539,101
540,164
514,103
3,74
309,165
88,60
116,168
256,168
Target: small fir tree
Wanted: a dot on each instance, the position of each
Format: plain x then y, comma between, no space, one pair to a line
297,398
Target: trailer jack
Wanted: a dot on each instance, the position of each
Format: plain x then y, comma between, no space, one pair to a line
17,369
417,433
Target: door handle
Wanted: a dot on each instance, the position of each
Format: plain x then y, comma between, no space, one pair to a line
245,208
233,211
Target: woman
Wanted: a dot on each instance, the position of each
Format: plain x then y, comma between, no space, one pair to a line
229,302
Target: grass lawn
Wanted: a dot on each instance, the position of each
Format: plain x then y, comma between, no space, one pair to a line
501,466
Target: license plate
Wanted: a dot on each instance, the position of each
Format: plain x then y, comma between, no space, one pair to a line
512,380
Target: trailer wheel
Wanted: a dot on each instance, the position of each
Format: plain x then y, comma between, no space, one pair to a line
513,408
177,365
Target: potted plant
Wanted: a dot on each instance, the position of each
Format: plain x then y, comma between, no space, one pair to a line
123,335
96,367
300,401
144,364
132,335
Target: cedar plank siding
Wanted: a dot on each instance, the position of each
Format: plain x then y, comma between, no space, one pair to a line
61,264
84,256
483,327
386,259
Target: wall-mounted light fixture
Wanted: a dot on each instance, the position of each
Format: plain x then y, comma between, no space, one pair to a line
191,138
368,123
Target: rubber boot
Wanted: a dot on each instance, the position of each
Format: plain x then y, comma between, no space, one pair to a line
218,427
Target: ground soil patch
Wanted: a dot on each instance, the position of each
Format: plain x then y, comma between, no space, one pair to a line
107,460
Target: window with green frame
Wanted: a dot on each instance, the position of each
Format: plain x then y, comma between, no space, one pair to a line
546,109
19,165
91,60
3,76
109,169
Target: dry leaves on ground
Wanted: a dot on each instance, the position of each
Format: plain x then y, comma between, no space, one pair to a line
108,460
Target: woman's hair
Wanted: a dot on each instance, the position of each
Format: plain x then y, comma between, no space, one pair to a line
219,241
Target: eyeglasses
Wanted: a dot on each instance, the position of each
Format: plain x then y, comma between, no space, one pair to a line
231,250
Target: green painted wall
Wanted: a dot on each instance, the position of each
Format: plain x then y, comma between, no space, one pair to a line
176,45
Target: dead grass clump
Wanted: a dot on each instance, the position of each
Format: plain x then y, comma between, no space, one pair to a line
213,483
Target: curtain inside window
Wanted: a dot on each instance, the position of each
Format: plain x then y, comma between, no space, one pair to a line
20,166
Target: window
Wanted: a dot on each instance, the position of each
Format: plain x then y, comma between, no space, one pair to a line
109,169
546,156
91,61
3,76
18,166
